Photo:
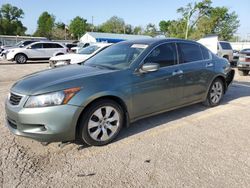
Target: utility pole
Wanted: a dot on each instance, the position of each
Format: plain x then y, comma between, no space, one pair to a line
65,32
92,23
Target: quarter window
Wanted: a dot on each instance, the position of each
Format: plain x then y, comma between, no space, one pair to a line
165,55
189,52
51,45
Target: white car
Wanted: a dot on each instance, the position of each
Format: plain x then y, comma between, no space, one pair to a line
81,56
36,51
79,47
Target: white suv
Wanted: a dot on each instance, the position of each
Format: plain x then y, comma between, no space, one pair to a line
36,51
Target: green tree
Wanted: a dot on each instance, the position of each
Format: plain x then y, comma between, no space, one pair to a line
10,23
60,25
128,29
138,30
150,30
164,26
113,25
200,19
78,26
192,13
45,25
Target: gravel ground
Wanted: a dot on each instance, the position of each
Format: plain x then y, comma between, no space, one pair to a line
189,147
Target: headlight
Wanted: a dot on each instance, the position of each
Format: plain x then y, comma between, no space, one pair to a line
51,99
62,62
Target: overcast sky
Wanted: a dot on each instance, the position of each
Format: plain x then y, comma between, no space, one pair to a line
134,12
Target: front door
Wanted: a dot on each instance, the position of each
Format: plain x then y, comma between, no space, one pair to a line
158,91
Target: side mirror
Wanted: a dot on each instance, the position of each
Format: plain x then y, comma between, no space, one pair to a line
149,67
29,47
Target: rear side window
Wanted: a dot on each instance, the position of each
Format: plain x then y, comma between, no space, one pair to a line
164,55
52,45
55,45
47,45
189,52
38,45
226,46
206,54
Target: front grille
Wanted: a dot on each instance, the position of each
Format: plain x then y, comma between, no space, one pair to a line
15,99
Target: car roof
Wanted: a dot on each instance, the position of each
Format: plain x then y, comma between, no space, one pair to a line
153,41
51,42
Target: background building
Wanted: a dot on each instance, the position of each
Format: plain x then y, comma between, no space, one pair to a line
92,37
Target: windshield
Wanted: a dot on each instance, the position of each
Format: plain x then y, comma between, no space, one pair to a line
118,56
226,46
89,50
19,43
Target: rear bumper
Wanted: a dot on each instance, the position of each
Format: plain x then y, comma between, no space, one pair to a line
230,77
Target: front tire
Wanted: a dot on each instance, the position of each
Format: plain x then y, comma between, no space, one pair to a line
243,72
215,93
21,58
101,123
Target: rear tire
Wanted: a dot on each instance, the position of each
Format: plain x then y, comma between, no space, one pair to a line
100,123
21,58
243,72
215,93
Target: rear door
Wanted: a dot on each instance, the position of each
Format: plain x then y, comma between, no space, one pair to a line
49,49
194,69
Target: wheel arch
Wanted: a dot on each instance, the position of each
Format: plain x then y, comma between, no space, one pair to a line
116,99
223,78
21,54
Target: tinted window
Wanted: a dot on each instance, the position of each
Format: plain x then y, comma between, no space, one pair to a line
25,43
206,54
55,45
164,55
225,46
189,52
38,45
47,45
51,45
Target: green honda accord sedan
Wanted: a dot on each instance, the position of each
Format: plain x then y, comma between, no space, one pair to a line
92,101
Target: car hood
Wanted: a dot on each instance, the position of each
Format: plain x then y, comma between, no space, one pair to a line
56,79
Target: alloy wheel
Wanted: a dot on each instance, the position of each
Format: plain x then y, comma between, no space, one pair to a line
103,123
216,92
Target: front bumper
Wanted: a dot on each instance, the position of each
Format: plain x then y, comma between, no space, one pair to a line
46,124
10,56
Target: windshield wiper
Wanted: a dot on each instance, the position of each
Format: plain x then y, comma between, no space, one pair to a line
103,66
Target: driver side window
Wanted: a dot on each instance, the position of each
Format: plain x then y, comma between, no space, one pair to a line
165,55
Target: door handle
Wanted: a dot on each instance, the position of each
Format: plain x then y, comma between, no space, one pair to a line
177,72
209,65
